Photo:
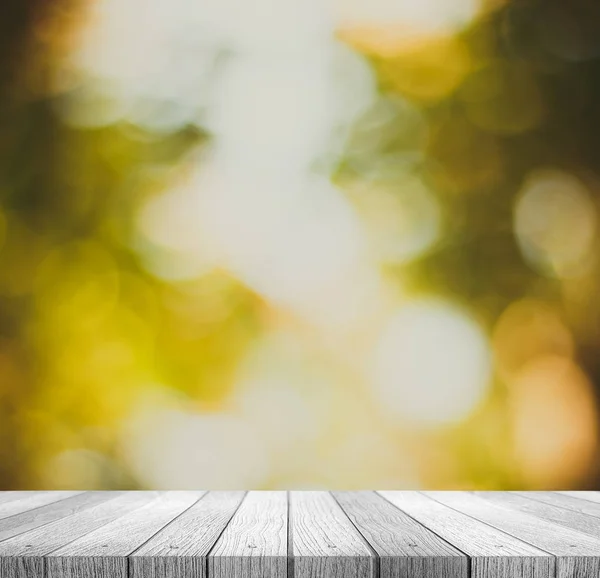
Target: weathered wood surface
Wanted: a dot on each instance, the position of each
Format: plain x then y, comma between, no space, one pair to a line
577,554
13,503
492,552
181,549
254,543
87,555
318,534
324,543
560,515
405,547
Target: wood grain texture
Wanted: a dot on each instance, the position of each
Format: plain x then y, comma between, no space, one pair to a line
254,544
558,515
87,556
21,502
367,534
493,553
24,555
181,548
324,542
31,519
565,501
578,555
406,548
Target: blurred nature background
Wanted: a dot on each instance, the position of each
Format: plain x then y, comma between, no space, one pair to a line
299,244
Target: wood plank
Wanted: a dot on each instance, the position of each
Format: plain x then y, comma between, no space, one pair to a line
589,496
31,519
254,543
310,535
323,541
405,547
13,496
565,501
493,553
103,552
9,495
557,515
24,501
577,554
24,555
181,548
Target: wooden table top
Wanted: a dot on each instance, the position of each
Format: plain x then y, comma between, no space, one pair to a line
299,534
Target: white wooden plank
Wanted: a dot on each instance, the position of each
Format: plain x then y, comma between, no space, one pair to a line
561,516
23,501
589,496
14,495
254,543
493,553
324,543
565,501
577,553
31,519
24,555
340,535
10,495
405,547
180,549
103,552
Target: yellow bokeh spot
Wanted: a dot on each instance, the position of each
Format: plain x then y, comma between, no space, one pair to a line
554,422
423,67
556,223
383,40
527,329
79,282
427,71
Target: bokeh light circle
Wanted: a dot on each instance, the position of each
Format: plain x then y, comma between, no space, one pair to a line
555,223
431,364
